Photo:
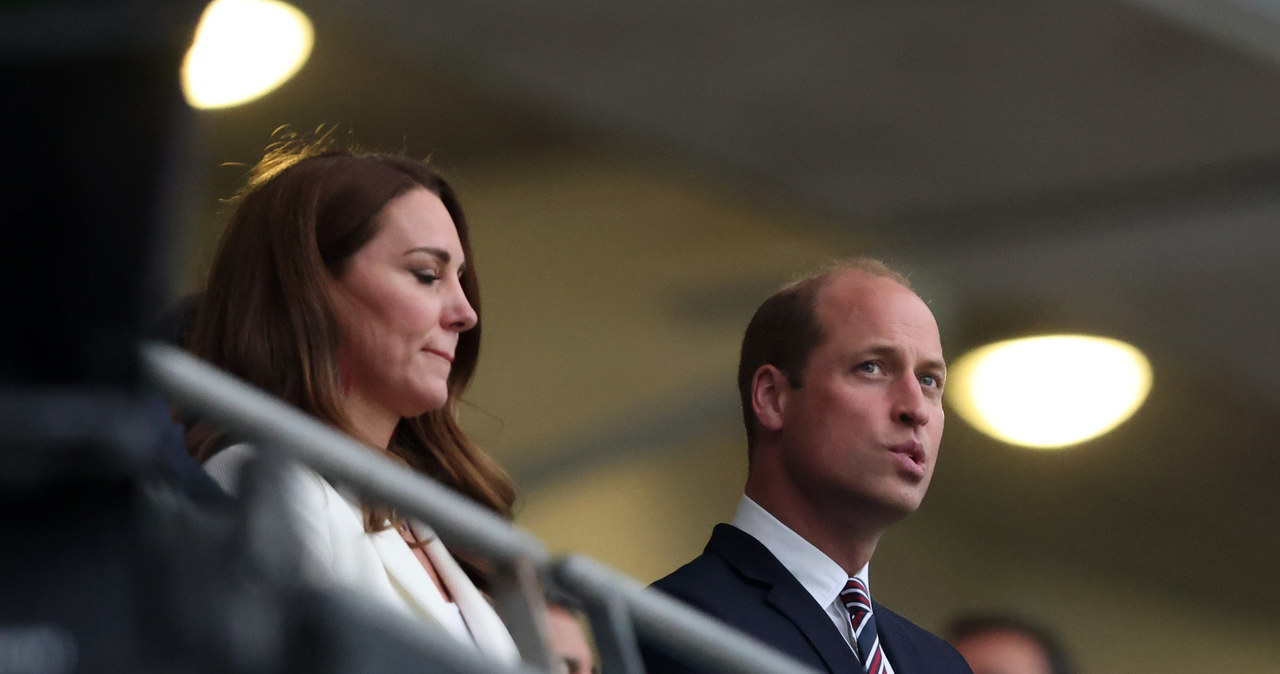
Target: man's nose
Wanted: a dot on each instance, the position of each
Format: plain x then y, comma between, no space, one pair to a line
910,404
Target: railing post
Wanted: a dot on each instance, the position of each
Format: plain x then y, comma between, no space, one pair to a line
615,635
518,598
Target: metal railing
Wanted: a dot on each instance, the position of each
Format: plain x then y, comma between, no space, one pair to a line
617,606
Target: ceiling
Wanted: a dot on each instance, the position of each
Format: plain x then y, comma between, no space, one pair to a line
640,175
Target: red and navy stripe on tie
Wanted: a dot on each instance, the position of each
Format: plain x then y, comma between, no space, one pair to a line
857,601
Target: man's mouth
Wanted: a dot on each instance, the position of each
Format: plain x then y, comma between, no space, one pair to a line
913,450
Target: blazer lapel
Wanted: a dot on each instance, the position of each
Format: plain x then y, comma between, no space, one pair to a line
486,627
411,580
407,577
786,595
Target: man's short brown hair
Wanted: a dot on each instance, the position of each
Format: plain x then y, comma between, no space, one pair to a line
785,329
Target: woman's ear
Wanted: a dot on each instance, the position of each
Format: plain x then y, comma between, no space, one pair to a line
769,390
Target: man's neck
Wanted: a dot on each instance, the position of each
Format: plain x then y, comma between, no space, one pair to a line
848,536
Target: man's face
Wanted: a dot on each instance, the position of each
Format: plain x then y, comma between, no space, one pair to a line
862,431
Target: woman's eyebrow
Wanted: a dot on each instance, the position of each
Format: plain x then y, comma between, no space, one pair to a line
438,253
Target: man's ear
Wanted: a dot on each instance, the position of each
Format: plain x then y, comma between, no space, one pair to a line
769,390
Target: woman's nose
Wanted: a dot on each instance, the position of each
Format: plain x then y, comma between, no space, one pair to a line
460,315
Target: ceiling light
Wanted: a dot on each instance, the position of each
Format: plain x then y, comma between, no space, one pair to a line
1049,391
242,50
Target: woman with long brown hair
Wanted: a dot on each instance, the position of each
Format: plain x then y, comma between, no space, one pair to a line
345,284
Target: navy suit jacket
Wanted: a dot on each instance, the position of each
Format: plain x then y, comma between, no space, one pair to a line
738,581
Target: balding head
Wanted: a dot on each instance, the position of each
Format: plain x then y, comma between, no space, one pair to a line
786,328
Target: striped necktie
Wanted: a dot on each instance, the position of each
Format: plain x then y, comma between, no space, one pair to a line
858,601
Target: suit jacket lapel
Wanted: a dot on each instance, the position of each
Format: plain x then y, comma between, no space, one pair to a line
810,619
899,648
786,595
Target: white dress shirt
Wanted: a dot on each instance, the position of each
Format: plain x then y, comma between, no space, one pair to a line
820,575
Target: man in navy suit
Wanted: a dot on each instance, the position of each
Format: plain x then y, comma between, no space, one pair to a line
841,379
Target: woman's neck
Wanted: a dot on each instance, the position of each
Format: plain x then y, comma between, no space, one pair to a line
370,423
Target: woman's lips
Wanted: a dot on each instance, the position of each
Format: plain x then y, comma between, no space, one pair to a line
447,356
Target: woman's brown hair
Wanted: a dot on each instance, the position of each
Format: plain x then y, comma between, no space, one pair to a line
265,316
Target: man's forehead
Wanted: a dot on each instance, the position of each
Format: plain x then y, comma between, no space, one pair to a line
857,300
853,292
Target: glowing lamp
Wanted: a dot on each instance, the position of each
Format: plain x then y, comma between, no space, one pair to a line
1049,391
244,49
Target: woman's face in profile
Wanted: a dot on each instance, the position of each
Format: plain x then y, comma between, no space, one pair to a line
400,308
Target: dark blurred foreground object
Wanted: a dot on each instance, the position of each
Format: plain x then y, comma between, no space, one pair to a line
96,141
94,127
110,562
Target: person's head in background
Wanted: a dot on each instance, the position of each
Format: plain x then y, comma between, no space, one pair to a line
1005,644
345,284
568,640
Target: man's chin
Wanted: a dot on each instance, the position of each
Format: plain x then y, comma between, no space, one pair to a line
900,504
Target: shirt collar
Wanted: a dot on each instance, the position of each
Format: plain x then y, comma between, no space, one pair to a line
820,575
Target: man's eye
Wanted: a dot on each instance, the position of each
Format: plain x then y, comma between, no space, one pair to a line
931,381
869,367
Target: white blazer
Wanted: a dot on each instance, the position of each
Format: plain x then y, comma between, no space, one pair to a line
379,565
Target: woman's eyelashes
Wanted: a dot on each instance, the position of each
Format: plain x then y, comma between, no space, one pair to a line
427,277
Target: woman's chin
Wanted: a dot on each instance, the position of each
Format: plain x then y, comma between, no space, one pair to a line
429,401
